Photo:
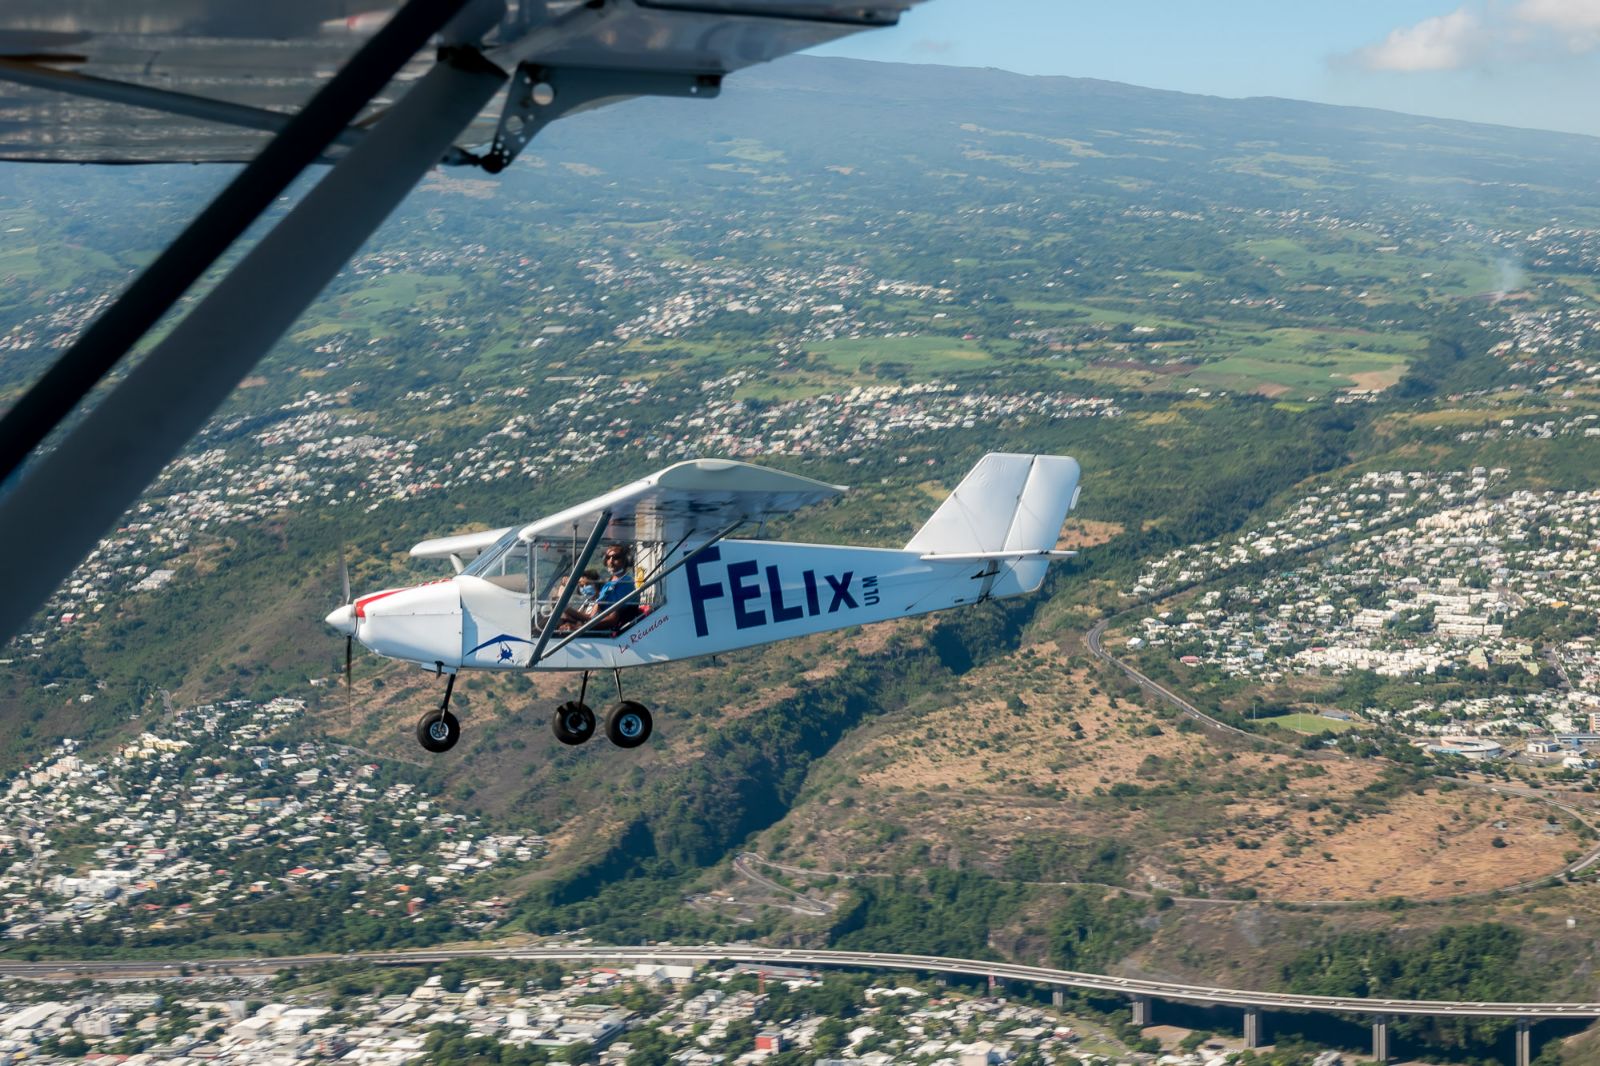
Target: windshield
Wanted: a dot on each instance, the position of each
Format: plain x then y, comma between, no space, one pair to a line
493,561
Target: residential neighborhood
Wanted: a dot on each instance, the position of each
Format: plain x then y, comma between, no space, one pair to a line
210,813
1404,574
737,1016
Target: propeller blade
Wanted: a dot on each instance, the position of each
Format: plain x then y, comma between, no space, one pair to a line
344,575
349,659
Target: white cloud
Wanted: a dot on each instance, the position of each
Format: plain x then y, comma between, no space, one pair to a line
1444,42
1562,15
1480,33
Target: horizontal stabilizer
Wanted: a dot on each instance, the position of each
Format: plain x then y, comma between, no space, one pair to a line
1020,553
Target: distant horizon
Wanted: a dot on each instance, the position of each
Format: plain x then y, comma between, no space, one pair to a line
1157,88
1207,95
1522,64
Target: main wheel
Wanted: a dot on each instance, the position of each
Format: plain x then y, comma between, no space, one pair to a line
573,723
628,725
438,732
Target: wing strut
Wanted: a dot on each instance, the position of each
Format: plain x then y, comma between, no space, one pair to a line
303,139
121,445
571,586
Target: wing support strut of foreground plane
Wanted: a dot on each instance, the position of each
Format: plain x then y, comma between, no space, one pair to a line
121,445
302,139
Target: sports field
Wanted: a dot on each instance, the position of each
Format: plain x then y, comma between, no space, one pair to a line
1311,723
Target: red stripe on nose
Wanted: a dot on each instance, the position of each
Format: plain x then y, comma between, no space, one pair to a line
361,604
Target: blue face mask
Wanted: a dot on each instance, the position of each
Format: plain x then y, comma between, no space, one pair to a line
586,592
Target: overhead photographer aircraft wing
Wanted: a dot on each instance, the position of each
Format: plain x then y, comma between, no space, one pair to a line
209,80
385,91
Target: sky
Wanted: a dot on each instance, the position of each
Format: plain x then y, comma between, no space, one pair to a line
1528,63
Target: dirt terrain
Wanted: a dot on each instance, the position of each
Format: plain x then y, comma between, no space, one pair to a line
1031,752
1424,846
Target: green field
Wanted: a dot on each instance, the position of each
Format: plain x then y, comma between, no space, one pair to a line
1307,362
931,355
1090,314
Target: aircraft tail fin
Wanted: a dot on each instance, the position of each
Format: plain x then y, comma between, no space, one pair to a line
1006,503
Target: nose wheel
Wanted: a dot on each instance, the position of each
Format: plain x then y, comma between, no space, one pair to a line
439,730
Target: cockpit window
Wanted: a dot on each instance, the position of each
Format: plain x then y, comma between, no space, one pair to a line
516,565
540,570
493,560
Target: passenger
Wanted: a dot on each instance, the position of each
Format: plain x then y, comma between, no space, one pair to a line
581,608
619,563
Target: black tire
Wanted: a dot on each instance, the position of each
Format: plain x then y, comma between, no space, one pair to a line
629,724
573,722
438,732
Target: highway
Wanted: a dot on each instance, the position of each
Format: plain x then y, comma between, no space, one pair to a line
867,960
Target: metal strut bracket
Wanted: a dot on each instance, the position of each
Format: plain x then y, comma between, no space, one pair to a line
539,95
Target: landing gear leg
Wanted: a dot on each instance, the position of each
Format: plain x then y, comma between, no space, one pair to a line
439,730
628,724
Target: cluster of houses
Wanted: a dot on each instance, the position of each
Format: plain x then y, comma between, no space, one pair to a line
818,302
1421,573
712,1019
1333,513
208,810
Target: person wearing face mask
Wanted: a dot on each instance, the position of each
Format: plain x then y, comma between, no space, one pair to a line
581,607
619,565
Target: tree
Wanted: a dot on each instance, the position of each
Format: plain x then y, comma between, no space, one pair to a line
830,1038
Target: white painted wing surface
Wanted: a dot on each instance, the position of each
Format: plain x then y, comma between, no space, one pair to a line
462,545
698,496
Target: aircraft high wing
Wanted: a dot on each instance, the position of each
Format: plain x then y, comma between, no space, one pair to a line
155,81
703,496
384,91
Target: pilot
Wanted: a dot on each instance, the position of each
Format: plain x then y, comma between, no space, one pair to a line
619,564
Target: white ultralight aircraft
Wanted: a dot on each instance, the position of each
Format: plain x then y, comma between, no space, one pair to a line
681,585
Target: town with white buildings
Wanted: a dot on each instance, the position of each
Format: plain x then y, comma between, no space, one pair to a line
611,1015
1408,575
214,817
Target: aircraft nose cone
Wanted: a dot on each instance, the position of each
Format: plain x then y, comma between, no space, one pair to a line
343,619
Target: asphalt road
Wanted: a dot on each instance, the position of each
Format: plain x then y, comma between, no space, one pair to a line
1095,640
